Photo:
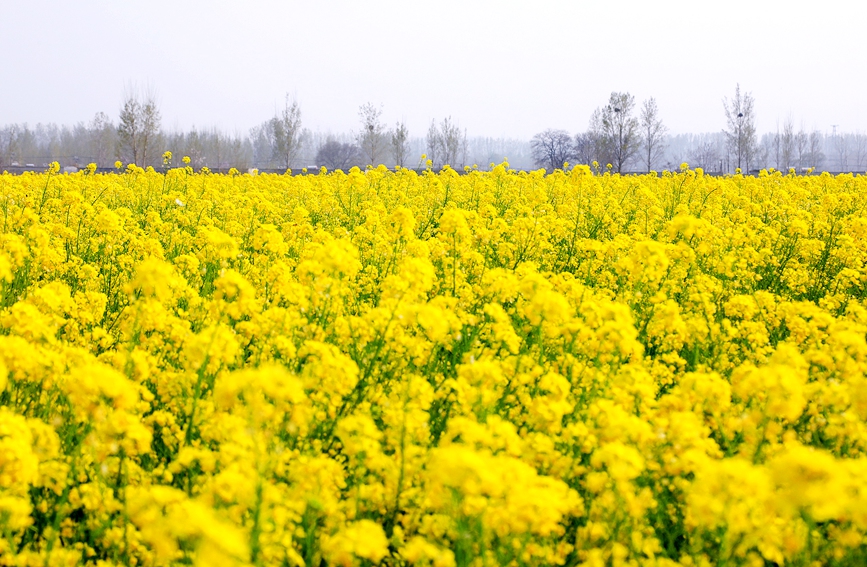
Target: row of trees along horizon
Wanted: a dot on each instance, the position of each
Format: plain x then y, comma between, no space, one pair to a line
628,136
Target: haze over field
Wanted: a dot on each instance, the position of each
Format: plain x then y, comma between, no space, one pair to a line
501,69
446,284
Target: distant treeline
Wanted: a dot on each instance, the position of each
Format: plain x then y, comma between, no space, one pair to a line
32,148
97,142
616,135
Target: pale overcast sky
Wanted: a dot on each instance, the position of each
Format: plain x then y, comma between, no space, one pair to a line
504,68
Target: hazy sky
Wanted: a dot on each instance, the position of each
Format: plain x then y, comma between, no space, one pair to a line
504,68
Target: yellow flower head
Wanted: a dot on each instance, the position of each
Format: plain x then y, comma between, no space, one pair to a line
363,539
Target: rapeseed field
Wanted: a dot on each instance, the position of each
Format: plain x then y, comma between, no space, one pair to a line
434,369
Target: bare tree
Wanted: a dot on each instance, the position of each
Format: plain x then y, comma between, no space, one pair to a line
802,145
787,145
454,143
652,132
706,153
194,148
433,142
240,152
620,131
741,128
262,141
9,151
816,157
216,148
372,140
129,131
771,148
552,148
285,134
595,143
859,147
399,139
138,127
446,144
25,146
337,155
841,147
150,133
102,138
584,148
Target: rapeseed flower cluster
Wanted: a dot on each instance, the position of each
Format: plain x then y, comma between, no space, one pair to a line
376,367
